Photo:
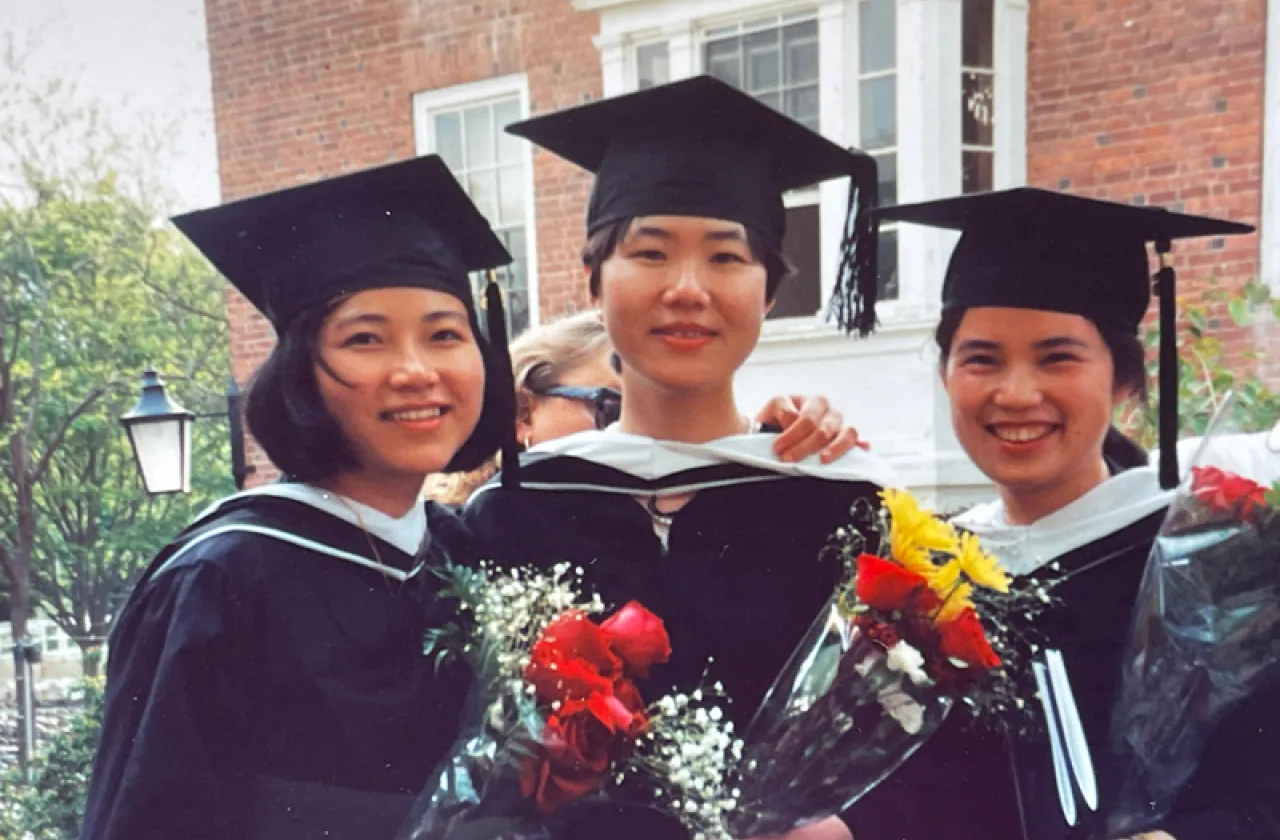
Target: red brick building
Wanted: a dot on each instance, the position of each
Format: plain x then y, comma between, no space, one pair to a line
1151,101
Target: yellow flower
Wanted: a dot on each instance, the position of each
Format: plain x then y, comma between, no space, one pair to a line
913,531
957,603
980,567
946,577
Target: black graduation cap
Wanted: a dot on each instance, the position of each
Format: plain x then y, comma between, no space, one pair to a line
407,224
1029,248
700,147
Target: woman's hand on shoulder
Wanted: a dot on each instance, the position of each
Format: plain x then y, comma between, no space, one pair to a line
832,828
809,426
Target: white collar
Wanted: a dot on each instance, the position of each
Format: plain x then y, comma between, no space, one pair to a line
1112,506
407,533
650,459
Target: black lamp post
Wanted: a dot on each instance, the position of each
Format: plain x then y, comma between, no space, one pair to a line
160,433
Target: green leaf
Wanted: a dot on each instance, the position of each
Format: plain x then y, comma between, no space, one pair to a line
1240,311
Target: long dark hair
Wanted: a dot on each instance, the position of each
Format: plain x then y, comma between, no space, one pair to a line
1128,362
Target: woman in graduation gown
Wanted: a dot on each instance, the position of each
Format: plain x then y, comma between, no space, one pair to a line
681,506
1042,302
266,677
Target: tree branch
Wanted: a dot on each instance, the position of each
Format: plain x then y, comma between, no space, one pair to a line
56,439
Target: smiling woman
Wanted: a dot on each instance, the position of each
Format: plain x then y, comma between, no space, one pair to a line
1042,302
266,676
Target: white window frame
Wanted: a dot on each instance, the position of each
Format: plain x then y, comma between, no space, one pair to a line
929,102
427,103
1269,228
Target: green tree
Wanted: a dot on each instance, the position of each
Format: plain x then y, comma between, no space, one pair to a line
51,807
1205,372
93,288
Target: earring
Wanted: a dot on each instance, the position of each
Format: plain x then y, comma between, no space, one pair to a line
526,442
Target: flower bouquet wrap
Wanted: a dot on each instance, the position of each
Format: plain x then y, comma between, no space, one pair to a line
560,726
882,666
1206,629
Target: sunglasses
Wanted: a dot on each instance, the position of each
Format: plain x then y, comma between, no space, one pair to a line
606,402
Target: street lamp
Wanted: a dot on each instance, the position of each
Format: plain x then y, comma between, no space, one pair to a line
160,433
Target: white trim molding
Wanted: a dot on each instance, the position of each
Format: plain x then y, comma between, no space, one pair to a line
477,93
1269,229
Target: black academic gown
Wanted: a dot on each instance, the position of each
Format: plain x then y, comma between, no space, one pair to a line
738,584
258,687
966,783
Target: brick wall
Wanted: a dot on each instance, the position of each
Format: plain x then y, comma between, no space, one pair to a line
308,89
1157,102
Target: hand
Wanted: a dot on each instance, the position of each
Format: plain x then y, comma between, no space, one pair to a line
809,425
832,828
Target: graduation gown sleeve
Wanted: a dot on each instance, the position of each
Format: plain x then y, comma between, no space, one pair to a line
167,765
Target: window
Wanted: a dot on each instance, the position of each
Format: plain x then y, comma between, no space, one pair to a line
977,95
493,167
775,59
878,119
653,65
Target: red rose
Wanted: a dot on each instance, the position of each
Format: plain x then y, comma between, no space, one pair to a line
884,585
964,639
571,661
879,632
638,637
1225,491
571,761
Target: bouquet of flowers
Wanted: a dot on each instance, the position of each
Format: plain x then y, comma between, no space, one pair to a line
1206,629
563,723
902,639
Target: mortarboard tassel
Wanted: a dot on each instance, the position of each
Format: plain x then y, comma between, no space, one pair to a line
853,301
1165,291
496,324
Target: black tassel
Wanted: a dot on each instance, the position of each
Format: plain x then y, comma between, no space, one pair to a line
496,325
1166,291
853,301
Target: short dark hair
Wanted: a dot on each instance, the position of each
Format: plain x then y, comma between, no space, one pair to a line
1129,370
602,244
287,414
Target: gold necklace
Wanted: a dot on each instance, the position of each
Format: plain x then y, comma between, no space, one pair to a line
382,567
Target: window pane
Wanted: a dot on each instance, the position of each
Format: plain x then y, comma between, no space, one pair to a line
483,188
801,294
504,113
979,171
977,43
978,115
479,136
800,42
773,100
449,140
878,112
510,195
722,61
887,176
653,65
516,281
887,274
876,35
801,104
764,58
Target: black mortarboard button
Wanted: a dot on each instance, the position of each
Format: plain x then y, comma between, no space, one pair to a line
1029,248
700,147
